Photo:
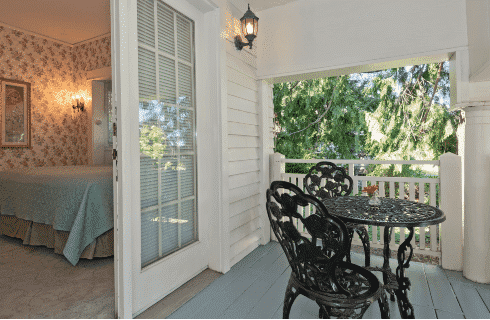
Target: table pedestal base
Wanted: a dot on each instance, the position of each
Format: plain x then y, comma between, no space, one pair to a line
405,307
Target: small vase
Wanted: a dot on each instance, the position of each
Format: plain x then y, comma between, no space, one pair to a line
374,201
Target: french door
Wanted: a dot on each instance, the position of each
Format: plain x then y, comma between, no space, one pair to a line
162,236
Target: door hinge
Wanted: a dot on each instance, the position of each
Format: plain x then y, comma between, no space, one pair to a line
114,129
114,154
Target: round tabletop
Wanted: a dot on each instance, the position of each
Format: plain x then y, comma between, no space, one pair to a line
390,213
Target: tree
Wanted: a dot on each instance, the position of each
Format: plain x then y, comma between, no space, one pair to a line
398,113
154,142
411,120
320,118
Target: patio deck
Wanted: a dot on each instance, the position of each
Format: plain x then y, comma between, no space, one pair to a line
255,287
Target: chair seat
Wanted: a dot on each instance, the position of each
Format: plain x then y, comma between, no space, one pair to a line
363,288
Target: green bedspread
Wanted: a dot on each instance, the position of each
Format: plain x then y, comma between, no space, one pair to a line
78,199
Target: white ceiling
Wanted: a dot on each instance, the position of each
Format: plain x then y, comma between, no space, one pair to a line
259,5
70,21
73,21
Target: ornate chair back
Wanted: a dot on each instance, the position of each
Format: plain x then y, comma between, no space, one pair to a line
326,180
311,265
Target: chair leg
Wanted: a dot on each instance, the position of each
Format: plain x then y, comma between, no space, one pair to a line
289,298
324,312
363,234
384,307
351,236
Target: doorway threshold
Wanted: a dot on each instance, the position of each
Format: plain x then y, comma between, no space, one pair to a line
179,297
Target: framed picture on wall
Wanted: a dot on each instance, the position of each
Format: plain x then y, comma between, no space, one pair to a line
16,113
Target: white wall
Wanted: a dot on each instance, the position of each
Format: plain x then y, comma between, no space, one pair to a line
314,35
249,125
478,17
243,154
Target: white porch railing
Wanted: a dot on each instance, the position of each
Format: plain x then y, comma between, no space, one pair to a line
404,187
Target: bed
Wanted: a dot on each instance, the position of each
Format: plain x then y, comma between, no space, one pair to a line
67,208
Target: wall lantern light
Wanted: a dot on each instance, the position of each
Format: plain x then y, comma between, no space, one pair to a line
79,103
249,23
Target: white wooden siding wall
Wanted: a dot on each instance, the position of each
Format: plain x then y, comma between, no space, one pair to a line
244,153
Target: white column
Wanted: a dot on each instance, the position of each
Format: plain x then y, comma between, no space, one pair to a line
476,253
266,111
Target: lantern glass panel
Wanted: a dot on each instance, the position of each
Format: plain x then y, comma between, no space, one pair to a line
256,27
248,27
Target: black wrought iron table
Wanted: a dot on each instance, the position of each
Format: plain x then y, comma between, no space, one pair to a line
390,213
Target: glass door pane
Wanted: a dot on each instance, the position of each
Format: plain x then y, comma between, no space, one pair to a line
166,76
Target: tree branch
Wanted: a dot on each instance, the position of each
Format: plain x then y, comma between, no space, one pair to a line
427,109
327,107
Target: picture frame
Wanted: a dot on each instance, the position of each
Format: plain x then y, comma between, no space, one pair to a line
16,114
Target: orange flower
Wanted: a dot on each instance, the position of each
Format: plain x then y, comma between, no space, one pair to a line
371,189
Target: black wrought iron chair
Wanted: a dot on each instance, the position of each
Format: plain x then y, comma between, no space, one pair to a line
326,180
341,289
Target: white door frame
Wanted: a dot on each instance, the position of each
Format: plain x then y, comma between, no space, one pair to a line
211,142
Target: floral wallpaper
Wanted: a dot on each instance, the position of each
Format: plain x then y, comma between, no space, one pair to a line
93,55
56,72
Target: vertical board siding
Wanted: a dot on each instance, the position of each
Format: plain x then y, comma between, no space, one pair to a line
244,150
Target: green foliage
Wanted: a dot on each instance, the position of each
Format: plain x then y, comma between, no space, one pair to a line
153,144
152,141
386,115
408,123
329,115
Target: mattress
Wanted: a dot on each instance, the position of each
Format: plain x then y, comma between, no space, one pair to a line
77,199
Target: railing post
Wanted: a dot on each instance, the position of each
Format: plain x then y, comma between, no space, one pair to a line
277,167
276,171
452,205
355,187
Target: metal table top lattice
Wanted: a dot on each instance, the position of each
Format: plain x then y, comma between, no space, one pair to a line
390,213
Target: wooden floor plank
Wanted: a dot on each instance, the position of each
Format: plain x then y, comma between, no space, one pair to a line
485,295
224,296
272,299
442,314
255,288
419,293
255,255
304,308
424,312
189,308
245,302
470,300
373,312
441,290
458,276
278,313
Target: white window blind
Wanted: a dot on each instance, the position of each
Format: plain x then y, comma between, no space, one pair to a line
167,118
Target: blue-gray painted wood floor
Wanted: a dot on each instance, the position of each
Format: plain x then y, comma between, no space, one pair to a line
255,287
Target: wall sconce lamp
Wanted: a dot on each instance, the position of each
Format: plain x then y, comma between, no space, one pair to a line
79,103
250,24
